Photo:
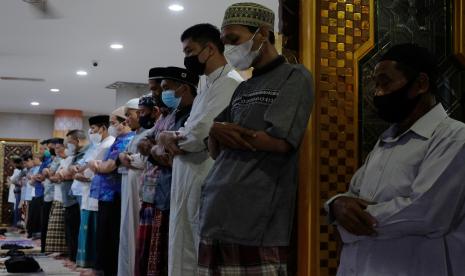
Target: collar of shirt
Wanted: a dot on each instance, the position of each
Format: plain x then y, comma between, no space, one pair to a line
425,126
215,75
269,67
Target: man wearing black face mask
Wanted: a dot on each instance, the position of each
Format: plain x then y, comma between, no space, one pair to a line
203,51
405,207
148,112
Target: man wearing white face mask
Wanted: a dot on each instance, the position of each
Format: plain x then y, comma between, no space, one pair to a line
203,51
101,141
255,141
106,188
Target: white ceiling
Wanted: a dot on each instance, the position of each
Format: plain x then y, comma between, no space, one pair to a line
54,49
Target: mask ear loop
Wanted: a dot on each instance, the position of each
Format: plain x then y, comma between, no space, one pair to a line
261,44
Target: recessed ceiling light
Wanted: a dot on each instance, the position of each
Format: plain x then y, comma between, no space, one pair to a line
116,46
35,103
55,90
176,7
81,73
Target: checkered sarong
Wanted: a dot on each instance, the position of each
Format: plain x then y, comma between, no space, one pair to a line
225,259
158,257
56,242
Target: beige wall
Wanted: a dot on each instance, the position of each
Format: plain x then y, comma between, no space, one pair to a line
28,126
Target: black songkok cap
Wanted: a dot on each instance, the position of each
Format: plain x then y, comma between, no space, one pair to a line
99,119
57,141
156,73
181,75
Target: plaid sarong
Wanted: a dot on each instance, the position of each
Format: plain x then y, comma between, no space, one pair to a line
158,257
217,258
56,242
144,237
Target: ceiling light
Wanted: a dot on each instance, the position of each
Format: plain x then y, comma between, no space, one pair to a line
116,46
176,7
35,103
55,90
81,73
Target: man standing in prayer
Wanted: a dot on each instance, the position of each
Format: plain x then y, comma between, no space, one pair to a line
49,191
130,204
106,187
179,92
249,197
77,147
14,195
405,208
203,51
102,141
55,239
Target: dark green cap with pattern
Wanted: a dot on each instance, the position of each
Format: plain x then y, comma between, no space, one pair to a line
248,14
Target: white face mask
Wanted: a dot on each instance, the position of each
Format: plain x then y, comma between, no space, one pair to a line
95,138
241,56
70,150
113,131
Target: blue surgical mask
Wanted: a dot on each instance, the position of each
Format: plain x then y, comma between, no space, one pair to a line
169,99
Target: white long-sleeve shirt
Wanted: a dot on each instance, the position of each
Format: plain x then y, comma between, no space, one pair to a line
417,181
211,100
190,169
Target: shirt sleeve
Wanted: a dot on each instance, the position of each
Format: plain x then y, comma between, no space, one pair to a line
288,115
198,126
435,205
436,202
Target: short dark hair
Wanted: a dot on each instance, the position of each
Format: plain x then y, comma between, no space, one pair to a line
77,134
271,36
27,156
45,142
16,160
204,33
412,59
104,124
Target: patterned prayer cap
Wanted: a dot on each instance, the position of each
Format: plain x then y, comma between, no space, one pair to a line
248,14
147,100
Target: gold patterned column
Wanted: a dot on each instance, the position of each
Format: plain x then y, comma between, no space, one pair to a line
335,34
459,29
66,120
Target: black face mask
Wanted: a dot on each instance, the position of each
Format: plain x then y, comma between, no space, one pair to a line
146,122
193,64
396,106
52,152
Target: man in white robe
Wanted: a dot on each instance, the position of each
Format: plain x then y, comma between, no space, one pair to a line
204,56
131,169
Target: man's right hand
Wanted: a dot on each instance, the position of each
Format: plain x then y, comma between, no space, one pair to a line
232,135
350,213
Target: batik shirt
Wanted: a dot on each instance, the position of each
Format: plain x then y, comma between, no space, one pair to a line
249,197
151,174
39,187
105,186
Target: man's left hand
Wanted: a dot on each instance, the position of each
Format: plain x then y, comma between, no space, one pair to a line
169,140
